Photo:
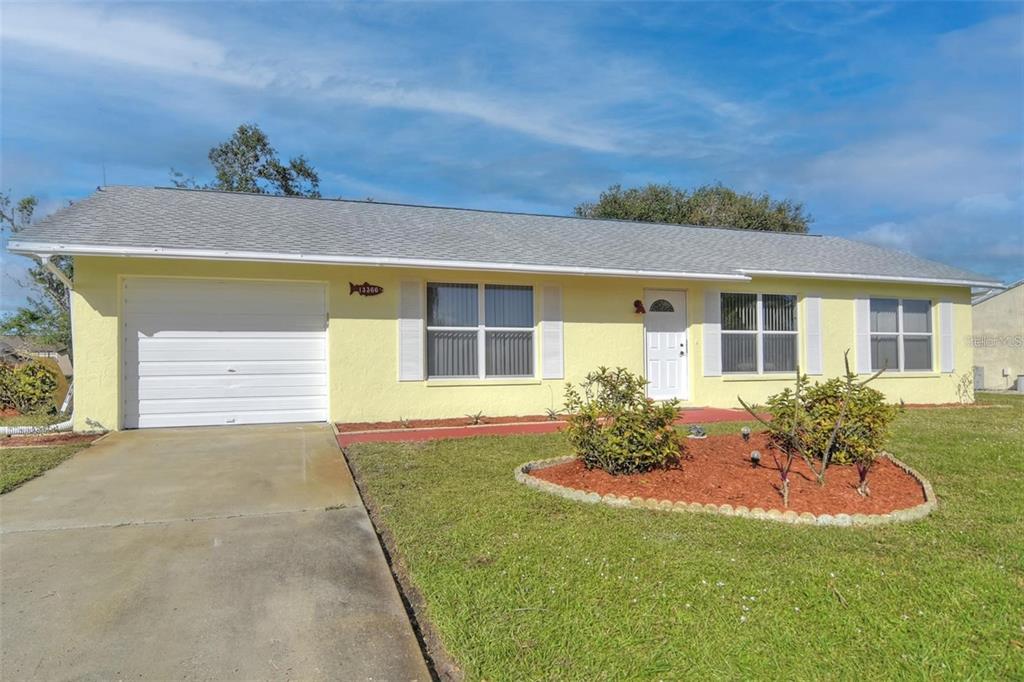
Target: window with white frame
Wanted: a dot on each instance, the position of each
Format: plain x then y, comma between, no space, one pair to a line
479,331
759,333
901,334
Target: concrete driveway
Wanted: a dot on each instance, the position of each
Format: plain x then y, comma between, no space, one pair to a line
205,553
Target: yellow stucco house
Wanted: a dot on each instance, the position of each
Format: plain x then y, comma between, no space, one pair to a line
195,307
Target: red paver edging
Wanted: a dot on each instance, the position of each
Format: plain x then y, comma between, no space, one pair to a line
701,415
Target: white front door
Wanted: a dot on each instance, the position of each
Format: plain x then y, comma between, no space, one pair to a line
666,344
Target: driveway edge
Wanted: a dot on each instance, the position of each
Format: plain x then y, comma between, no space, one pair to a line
440,663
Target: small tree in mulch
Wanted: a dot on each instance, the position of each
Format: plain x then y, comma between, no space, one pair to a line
614,426
840,421
787,424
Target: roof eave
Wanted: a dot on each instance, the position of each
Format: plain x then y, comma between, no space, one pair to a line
49,249
896,279
741,274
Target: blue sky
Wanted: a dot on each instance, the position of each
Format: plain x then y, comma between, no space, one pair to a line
900,124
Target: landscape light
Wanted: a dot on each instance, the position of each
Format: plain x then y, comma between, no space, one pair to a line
755,458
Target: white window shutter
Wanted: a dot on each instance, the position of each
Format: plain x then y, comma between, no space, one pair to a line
410,332
712,334
946,350
551,344
812,318
863,331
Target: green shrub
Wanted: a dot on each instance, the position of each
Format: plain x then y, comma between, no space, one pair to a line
614,426
27,388
861,434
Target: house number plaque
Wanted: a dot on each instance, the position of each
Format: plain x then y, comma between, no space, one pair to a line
364,289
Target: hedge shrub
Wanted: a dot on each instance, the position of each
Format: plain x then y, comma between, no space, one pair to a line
27,388
614,426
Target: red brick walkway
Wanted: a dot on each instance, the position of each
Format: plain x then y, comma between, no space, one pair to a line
701,415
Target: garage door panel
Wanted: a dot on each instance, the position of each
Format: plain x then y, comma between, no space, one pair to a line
234,368
228,391
236,302
229,405
227,349
191,286
160,325
142,293
232,391
240,380
152,421
200,352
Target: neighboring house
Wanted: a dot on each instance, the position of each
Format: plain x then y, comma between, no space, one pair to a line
21,347
202,307
998,338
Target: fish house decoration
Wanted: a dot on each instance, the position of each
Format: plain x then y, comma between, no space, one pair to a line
364,289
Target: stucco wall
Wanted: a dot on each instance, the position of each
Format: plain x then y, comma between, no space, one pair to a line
998,337
600,328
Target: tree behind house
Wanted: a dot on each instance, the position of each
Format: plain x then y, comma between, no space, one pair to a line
46,315
708,205
248,163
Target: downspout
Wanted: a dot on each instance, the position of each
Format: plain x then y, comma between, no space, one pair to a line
51,267
44,259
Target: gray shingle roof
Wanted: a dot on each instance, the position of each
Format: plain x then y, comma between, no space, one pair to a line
173,219
987,295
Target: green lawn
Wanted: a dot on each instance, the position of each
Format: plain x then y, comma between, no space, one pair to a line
18,465
522,585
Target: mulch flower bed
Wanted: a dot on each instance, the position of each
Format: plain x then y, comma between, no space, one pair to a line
439,423
719,472
687,415
34,439
946,406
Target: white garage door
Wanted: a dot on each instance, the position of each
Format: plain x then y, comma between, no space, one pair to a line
200,352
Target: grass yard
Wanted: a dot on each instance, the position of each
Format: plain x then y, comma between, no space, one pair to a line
18,465
522,585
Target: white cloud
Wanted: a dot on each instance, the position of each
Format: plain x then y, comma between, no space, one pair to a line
116,37
152,44
914,168
533,121
573,106
889,234
987,204
971,235
890,136
826,19
939,134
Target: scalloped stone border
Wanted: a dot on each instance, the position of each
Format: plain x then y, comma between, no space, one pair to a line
522,474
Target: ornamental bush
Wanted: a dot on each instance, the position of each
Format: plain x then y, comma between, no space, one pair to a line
862,431
27,388
614,426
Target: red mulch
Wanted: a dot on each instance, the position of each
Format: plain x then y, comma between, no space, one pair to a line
719,472
435,423
47,439
687,415
935,406
442,433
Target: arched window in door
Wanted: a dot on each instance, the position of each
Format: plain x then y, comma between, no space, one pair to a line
662,306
